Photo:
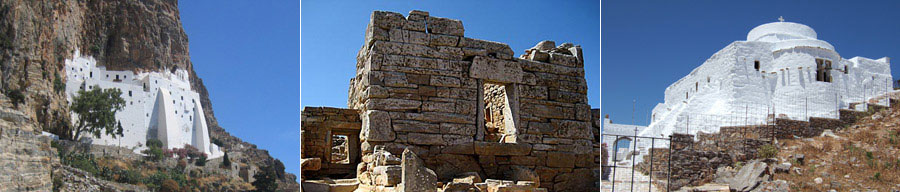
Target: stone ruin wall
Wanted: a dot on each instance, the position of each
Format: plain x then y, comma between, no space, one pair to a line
420,85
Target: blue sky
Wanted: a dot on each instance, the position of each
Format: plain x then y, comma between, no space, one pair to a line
648,45
333,32
247,53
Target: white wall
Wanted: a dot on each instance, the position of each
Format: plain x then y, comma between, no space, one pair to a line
727,90
140,117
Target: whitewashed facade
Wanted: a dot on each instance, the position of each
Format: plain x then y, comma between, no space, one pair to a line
158,105
782,69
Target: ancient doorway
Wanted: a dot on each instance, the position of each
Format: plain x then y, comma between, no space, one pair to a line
500,110
343,148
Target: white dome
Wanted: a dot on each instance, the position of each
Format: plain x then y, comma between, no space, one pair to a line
781,31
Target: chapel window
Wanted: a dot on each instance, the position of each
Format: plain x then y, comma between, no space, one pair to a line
823,70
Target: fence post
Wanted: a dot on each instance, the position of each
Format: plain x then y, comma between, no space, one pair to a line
614,165
652,143
633,159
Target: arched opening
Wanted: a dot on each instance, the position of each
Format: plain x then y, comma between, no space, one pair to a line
621,147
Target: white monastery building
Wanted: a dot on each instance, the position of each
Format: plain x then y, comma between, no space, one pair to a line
782,69
158,105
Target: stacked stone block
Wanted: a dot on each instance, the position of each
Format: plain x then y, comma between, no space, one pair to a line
420,85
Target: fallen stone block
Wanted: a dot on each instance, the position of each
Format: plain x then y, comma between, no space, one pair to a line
416,177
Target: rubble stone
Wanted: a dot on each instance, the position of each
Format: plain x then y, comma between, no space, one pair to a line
416,177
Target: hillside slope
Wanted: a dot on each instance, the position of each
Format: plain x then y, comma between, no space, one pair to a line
862,156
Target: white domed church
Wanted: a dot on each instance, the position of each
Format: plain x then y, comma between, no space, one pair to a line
782,68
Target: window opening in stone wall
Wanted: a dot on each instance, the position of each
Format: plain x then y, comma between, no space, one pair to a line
756,65
685,95
129,93
697,86
91,74
846,70
340,150
499,122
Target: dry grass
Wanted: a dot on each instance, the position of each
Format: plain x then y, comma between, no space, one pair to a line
864,157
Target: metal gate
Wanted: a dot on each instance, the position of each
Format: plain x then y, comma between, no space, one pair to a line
628,170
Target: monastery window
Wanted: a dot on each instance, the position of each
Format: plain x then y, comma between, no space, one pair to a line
756,65
500,110
846,70
129,93
107,76
91,74
685,95
117,76
823,70
697,86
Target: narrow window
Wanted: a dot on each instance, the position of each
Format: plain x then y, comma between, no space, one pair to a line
685,95
756,65
91,74
707,79
117,76
129,93
846,70
697,86
820,68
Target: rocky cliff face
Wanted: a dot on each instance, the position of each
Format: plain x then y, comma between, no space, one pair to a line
136,35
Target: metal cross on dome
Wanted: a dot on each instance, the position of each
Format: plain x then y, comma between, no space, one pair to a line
780,19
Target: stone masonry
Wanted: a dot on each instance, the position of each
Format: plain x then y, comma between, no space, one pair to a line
466,105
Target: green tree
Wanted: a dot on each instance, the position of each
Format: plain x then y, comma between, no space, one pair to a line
96,110
154,150
265,179
226,162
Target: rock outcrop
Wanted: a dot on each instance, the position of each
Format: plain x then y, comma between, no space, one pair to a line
140,36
